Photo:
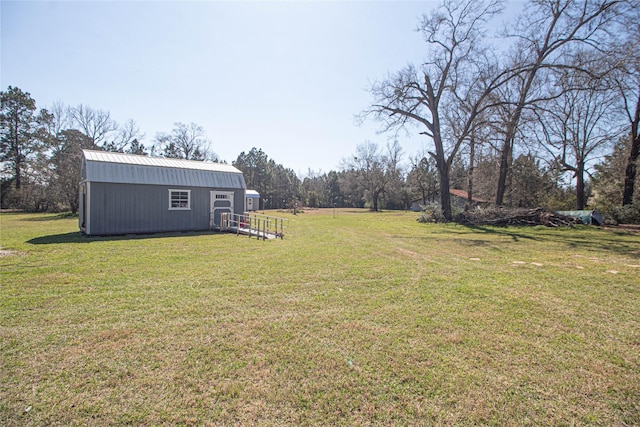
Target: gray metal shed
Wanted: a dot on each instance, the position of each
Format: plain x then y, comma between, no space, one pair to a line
127,194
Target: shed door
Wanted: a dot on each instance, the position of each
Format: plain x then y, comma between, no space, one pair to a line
221,201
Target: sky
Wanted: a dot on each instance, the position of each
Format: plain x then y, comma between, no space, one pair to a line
288,77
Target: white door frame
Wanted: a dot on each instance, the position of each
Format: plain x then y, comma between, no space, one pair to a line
86,209
220,196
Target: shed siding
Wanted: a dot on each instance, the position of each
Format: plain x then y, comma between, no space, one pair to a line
136,208
130,194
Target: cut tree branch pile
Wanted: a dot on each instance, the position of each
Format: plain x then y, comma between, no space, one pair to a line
516,216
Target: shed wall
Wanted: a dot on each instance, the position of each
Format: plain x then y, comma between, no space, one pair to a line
136,208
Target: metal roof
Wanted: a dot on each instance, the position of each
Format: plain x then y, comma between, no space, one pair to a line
102,166
252,193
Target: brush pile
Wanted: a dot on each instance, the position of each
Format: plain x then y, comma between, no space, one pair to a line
503,217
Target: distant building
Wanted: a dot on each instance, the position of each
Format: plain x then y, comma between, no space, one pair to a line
252,202
460,199
128,194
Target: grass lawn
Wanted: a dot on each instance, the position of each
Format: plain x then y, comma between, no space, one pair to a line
365,318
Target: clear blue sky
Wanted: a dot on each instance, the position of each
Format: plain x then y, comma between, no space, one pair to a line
287,77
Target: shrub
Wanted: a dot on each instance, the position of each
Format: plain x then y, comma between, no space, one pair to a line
628,214
431,213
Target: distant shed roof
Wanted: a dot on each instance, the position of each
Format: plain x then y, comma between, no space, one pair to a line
252,193
102,166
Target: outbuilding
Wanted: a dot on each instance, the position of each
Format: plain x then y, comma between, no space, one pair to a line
253,200
129,194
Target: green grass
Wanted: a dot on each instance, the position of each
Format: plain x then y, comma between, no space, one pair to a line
360,319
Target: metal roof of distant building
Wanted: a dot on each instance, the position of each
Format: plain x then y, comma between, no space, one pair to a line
134,159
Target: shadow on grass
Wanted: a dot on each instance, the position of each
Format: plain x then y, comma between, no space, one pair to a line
64,215
77,237
357,211
602,244
506,232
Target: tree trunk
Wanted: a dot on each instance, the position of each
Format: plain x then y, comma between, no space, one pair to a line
512,127
505,158
580,202
631,172
18,171
443,167
507,148
445,197
16,154
632,162
472,150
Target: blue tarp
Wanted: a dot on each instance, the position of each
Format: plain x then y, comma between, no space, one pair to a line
590,217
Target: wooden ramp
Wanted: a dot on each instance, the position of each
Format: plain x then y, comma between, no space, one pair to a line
253,225
246,231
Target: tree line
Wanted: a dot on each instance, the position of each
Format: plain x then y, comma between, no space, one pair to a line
41,150
566,90
549,116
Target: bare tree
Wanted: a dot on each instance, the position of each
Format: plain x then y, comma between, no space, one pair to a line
66,161
547,33
452,79
396,194
627,80
63,157
95,124
631,171
374,170
184,142
577,126
125,136
423,177
59,119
